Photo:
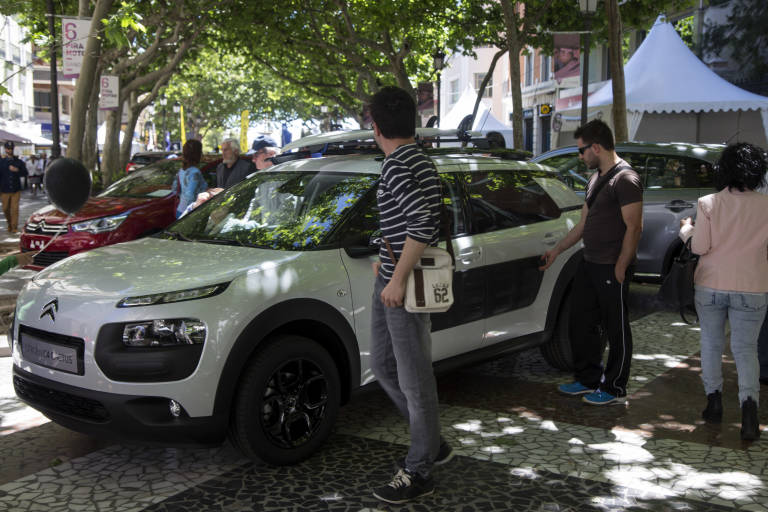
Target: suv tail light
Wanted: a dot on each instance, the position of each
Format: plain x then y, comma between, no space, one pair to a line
129,166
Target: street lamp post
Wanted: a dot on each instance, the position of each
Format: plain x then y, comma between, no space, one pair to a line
176,110
588,8
438,61
163,102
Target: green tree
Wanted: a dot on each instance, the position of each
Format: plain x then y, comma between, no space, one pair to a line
744,34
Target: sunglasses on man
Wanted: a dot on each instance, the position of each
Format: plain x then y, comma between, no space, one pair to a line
582,149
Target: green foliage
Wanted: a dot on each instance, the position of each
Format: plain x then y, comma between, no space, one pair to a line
685,28
744,34
4,91
126,20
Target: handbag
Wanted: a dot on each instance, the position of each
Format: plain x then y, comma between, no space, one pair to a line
429,288
677,287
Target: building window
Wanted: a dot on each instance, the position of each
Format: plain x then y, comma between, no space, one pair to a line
16,53
528,70
454,92
65,104
42,101
479,77
546,65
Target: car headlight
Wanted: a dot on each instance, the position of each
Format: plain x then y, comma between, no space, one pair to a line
101,225
177,296
164,333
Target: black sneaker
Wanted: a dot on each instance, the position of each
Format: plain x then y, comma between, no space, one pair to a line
444,454
405,487
714,411
750,425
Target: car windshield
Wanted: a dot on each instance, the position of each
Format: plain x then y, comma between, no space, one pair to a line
276,210
153,180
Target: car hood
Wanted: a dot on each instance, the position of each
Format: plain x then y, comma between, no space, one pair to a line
155,265
94,208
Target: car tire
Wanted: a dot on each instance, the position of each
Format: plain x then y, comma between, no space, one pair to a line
557,351
287,401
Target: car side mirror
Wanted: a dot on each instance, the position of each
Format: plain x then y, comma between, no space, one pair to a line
362,249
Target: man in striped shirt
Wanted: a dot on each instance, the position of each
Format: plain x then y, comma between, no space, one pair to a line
401,347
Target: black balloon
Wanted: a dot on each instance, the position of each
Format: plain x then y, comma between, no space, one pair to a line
68,184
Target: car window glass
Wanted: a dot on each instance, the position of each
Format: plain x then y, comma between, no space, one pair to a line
638,162
451,185
277,210
153,180
570,169
507,199
699,173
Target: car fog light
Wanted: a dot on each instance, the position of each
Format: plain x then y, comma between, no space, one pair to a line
164,333
175,408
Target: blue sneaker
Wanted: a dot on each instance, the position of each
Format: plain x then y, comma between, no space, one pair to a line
574,388
603,398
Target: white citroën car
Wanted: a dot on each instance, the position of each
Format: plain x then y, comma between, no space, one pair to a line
250,316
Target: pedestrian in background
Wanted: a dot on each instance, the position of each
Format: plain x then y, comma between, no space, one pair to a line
189,181
408,197
12,169
611,224
731,279
35,175
232,168
262,149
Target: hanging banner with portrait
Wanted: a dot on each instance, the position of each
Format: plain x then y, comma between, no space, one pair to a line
567,53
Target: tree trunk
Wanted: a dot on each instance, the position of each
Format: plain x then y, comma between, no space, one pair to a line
619,109
90,140
87,80
487,79
134,109
514,47
110,158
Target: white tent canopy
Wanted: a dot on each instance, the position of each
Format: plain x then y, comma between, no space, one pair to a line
665,77
484,120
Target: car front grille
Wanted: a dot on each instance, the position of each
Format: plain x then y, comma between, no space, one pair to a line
41,228
60,401
46,258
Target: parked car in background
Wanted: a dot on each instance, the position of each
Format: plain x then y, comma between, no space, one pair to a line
674,176
250,316
138,205
139,160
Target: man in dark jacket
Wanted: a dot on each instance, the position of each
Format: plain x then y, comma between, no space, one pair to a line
232,169
12,169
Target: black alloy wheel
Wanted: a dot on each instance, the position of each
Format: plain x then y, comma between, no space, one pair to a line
287,401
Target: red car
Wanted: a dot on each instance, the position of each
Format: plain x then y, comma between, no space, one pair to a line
138,205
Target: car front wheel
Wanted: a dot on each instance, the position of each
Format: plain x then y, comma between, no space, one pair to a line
287,401
557,351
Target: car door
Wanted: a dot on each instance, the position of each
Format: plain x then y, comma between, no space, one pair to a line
670,190
458,330
513,221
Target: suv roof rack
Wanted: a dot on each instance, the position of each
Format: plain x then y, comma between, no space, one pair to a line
362,142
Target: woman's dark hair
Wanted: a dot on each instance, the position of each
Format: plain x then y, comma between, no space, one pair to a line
741,166
191,153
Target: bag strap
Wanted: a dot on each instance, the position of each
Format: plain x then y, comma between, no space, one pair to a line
600,183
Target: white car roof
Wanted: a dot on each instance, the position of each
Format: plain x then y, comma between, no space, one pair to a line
364,135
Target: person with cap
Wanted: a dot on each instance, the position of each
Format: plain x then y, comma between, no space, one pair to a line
262,149
11,171
232,168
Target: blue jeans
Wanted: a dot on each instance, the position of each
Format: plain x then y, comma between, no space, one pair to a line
401,360
745,312
762,349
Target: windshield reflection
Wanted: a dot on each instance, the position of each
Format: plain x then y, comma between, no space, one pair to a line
276,210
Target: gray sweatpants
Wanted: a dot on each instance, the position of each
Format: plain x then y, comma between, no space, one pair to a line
401,360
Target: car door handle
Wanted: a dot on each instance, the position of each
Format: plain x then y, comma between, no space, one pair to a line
552,238
470,254
678,205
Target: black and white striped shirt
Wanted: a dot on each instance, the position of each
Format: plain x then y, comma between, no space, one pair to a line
409,202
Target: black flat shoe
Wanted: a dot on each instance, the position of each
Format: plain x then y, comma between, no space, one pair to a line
714,411
750,425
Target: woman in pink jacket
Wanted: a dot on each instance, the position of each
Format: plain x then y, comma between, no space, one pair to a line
731,236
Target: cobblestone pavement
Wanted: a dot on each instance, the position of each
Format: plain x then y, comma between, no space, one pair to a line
520,446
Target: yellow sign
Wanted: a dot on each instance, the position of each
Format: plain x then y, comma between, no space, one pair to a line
244,131
545,109
183,128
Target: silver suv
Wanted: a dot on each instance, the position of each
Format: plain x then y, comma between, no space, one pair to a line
674,176
250,316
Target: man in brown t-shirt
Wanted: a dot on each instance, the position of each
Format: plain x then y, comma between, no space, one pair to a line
611,224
